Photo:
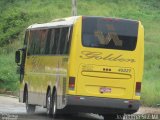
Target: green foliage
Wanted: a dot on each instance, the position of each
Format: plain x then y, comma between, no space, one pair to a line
22,13
7,73
151,81
12,24
16,15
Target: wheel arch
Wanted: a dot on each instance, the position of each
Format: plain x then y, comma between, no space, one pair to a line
54,90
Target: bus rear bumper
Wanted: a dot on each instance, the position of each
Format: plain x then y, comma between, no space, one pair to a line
101,105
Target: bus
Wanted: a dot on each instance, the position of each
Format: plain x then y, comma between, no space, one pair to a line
84,64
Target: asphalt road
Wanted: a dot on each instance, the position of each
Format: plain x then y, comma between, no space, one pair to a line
11,109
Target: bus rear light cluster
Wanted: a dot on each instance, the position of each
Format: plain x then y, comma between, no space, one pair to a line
71,83
138,88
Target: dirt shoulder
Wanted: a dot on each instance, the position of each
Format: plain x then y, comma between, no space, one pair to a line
148,110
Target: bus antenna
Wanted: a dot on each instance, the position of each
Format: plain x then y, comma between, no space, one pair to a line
74,7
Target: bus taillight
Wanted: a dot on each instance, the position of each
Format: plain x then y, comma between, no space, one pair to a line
71,83
138,88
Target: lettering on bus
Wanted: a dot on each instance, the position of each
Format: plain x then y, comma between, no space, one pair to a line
100,56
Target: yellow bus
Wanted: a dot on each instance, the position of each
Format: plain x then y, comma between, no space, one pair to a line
82,64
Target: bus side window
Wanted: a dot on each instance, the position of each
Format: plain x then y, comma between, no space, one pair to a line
59,42
48,41
56,38
63,40
31,43
52,41
68,41
36,42
42,40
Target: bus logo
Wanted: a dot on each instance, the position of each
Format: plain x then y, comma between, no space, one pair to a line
108,57
105,40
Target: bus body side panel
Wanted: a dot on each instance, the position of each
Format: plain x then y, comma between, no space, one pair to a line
61,86
48,71
35,77
44,72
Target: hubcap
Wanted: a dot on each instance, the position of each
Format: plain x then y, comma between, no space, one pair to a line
48,103
54,105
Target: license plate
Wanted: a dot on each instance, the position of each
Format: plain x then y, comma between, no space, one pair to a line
105,90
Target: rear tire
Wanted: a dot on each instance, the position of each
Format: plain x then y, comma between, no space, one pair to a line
49,103
29,108
54,105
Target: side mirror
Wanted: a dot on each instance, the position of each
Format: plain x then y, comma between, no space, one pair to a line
17,56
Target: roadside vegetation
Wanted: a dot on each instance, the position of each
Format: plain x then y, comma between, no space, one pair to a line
16,15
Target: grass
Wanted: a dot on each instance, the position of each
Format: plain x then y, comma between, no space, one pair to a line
7,72
22,13
151,81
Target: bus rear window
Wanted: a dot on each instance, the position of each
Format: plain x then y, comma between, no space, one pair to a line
109,33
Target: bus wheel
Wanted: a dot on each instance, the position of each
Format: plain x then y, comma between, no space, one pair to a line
29,108
54,105
49,104
113,117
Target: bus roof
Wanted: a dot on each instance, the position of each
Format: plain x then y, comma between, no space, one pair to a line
67,22
57,22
